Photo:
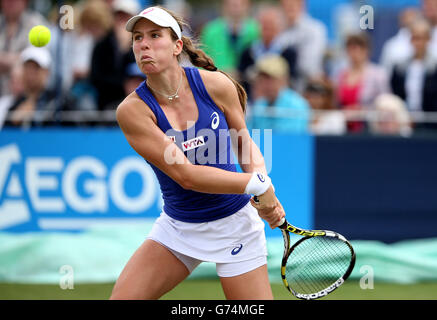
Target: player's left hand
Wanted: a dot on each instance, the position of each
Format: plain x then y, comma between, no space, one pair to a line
273,215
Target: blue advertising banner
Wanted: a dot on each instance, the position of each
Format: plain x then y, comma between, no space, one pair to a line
71,179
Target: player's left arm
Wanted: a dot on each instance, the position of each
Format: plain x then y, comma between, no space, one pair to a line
225,96
222,90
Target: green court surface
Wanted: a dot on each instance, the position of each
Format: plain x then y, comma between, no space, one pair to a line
211,290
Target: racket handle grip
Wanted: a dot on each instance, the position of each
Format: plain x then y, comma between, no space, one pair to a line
283,223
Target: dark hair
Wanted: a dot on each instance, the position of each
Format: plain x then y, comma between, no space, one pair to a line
360,39
200,59
324,87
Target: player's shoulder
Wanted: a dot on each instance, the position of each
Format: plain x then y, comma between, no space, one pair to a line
132,107
216,82
220,88
129,104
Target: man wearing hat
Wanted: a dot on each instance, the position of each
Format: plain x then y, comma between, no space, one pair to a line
16,20
36,104
276,106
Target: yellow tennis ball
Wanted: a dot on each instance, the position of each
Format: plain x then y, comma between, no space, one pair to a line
39,36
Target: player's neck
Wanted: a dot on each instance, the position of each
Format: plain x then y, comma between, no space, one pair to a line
166,84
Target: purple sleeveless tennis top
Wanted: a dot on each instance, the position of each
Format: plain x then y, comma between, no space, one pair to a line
205,142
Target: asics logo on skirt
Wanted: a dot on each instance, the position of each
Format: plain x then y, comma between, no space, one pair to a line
236,250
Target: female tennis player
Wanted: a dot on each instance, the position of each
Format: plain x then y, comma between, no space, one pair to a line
175,120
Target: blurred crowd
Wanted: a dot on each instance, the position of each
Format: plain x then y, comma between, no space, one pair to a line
297,80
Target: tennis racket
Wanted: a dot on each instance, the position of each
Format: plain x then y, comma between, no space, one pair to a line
316,264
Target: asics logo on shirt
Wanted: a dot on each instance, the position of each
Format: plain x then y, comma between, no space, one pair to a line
236,250
215,120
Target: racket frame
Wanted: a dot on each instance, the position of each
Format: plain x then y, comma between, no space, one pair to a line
286,228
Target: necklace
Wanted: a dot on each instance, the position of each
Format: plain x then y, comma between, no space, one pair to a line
169,97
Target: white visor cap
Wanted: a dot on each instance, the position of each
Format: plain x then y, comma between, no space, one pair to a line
158,16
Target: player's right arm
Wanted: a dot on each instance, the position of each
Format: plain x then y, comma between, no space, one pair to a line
138,124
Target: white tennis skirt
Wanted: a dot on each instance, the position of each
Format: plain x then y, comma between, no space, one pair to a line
238,237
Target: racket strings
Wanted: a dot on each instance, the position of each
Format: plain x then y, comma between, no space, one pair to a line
316,263
306,277
310,271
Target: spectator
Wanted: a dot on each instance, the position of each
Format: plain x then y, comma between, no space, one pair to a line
132,78
272,23
326,118
276,105
309,38
61,47
36,105
226,37
95,21
15,23
361,81
15,89
71,49
398,47
415,80
429,11
392,117
111,56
